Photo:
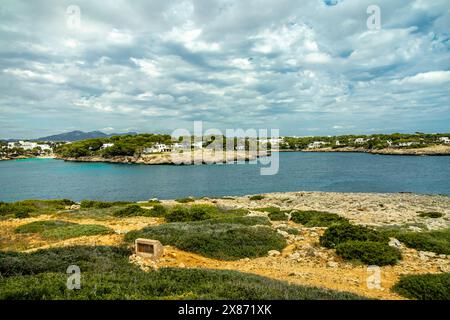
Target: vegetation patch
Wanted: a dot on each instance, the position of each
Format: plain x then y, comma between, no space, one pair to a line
289,230
278,216
275,213
98,259
317,218
41,226
75,231
340,233
107,274
431,214
195,212
437,241
226,241
256,197
185,200
27,208
369,252
424,286
92,204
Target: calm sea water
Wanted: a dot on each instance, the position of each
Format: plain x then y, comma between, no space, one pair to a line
346,172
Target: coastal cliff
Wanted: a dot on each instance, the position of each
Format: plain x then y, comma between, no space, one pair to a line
196,157
437,150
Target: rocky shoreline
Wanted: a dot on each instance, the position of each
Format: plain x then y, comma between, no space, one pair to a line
197,157
438,150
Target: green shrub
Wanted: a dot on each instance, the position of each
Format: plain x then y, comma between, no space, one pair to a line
317,218
158,210
278,216
21,215
221,241
17,210
58,204
424,286
41,226
268,209
92,204
88,258
431,214
289,230
247,221
165,283
435,241
193,213
131,211
74,231
341,233
256,197
185,200
368,252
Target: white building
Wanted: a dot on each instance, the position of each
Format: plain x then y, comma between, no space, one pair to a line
406,144
107,145
45,147
361,140
198,145
157,148
316,144
444,139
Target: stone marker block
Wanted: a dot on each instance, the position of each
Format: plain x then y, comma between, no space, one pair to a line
149,248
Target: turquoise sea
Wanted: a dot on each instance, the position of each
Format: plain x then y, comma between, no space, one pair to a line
298,171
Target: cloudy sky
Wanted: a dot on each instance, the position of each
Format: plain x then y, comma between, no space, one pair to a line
305,67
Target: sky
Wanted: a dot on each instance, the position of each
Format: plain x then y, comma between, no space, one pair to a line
304,67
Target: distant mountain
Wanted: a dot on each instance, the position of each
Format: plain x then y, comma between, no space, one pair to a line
80,135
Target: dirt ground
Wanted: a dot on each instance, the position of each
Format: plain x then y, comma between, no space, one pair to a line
303,261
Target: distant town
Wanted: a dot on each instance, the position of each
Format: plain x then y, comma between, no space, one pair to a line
134,144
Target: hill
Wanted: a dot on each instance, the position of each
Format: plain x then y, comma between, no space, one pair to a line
80,135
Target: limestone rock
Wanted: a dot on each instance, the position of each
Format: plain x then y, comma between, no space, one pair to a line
274,253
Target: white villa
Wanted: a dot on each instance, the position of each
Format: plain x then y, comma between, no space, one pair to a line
444,139
157,148
361,140
107,145
316,144
27,145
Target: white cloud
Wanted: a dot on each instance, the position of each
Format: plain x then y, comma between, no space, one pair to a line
431,77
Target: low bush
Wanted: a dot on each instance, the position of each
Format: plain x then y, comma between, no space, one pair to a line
193,213
185,200
221,241
437,241
340,233
158,210
165,283
88,258
368,252
246,221
424,286
58,204
431,214
289,230
74,231
41,226
275,213
16,210
92,204
278,216
317,218
131,211
256,197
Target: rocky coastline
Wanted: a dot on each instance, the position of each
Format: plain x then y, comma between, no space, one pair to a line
438,150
